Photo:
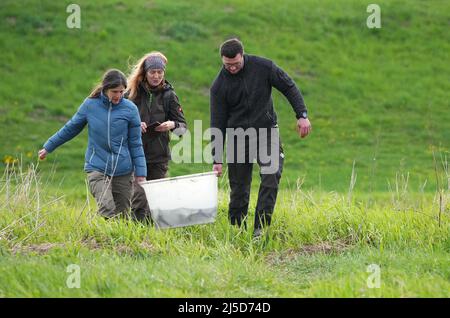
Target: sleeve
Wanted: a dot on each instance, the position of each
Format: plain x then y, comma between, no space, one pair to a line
135,144
218,122
282,82
71,129
176,114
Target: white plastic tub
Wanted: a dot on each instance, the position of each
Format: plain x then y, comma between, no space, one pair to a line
182,201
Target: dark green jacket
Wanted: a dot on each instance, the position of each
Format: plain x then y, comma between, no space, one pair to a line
151,109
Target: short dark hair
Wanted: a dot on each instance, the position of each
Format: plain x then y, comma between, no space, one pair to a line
232,47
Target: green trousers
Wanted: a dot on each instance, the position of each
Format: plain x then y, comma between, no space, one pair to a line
112,194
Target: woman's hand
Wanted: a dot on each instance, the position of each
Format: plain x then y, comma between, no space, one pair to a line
42,153
166,126
217,168
143,127
139,180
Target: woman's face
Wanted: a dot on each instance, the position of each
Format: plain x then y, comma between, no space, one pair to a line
115,94
155,77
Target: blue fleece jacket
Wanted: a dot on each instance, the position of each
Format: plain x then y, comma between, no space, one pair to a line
114,144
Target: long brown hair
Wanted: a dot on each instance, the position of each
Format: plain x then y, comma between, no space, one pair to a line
137,74
111,79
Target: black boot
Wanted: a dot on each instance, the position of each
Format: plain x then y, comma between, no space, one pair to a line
262,222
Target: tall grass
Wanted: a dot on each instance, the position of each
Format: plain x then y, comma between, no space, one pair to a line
316,242
34,214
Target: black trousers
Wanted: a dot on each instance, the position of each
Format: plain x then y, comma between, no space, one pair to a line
240,178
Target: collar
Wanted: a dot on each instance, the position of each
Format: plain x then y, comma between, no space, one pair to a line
155,90
105,100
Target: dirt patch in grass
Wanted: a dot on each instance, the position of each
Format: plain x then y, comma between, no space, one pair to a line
35,248
41,111
326,247
43,248
124,249
11,21
334,247
91,244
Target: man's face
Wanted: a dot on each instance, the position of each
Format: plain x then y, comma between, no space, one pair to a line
233,65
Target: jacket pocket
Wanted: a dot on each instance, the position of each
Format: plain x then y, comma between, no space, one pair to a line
125,161
164,141
161,146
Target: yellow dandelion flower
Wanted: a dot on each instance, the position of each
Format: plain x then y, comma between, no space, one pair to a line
7,159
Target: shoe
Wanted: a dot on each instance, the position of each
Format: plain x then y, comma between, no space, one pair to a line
257,233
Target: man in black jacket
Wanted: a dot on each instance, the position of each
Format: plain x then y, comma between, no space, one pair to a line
241,106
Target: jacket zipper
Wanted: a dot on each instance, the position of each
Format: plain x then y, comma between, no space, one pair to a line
109,135
150,104
246,100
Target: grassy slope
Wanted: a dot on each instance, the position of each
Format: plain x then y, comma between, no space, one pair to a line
379,97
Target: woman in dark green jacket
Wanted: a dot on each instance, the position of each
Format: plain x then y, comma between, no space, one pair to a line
160,112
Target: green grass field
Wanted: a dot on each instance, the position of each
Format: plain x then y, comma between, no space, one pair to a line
319,246
379,105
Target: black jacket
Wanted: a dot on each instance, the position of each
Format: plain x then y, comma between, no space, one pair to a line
151,109
244,100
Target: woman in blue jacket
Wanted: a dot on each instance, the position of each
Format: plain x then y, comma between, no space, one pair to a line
114,152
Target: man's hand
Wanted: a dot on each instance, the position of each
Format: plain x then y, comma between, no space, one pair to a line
143,127
303,127
165,126
217,168
42,153
139,180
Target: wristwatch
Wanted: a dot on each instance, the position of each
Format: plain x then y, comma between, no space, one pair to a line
304,114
